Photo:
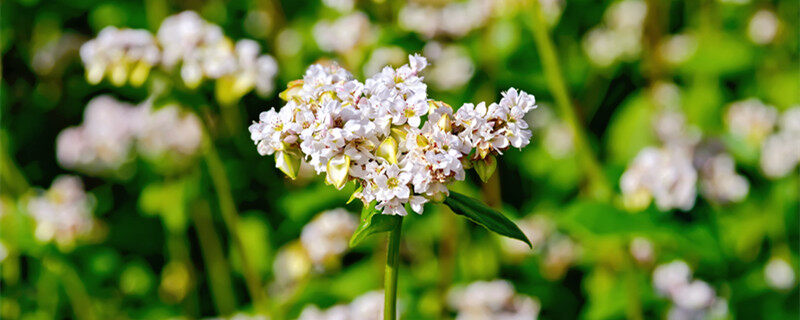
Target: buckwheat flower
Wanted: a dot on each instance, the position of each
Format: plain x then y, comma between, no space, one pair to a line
668,278
491,300
751,120
343,34
560,254
642,250
452,66
384,56
103,141
779,274
694,295
665,174
719,181
63,213
188,39
327,235
763,27
618,38
168,130
431,21
678,48
340,5
780,153
368,306
120,54
291,264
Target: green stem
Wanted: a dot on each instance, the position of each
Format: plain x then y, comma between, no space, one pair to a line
390,277
229,215
214,258
599,187
76,293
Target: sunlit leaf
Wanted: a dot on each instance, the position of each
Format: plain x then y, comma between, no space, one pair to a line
481,214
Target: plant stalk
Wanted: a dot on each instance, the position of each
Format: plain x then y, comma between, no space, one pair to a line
599,187
390,277
229,215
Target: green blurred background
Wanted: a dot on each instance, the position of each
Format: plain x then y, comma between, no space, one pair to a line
168,230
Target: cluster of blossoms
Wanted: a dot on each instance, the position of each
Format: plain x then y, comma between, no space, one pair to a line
780,153
431,20
557,136
492,300
110,128
670,173
373,133
201,49
345,33
619,37
678,48
384,56
692,299
322,243
779,274
451,67
368,306
64,212
558,251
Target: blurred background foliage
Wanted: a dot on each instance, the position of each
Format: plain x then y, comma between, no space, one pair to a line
168,235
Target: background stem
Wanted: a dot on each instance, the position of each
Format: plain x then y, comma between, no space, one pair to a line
390,280
599,187
229,215
214,258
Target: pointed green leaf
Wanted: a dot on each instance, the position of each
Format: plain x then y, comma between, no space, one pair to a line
372,221
487,217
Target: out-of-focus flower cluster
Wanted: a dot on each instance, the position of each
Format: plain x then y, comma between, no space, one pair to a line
345,33
322,243
779,274
454,19
451,65
186,40
691,299
492,300
670,173
63,213
373,133
780,151
368,306
103,142
618,38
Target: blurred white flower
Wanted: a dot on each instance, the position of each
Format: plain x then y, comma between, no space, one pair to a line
168,130
537,228
780,152
618,38
492,300
64,212
678,48
120,54
751,119
344,34
291,264
719,181
102,142
779,274
384,56
665,174
368,306
667,278
451,65
327,235
763,27
340,5
431,21
642,250
692,299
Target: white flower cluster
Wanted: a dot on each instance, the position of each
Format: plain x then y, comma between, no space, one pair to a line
780,152
110,128
344,34
368,306
384,56
670,173
692,299
451,68
454,19
64,212
779,274
751,120
373,133
322,243
678,48
492,300
120,53
326,236
619,37
201,49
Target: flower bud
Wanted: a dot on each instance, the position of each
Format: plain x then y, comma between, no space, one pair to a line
292,90
338,169
486,167
444,123
95,72
119,74
388,150
139,73
287,163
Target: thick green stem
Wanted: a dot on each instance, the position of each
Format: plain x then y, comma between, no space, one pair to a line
229,215
390,277
599,186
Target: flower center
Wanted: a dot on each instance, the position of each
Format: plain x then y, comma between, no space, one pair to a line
393,182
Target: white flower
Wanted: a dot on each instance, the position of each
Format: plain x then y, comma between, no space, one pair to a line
751,119
695,295
779,274
666,174
64,212
763,27
491,300
120,54
642,250
344,34
667,278
719,181
327,235
780,152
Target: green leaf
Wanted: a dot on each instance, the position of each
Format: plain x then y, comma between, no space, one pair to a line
372,221
483,215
